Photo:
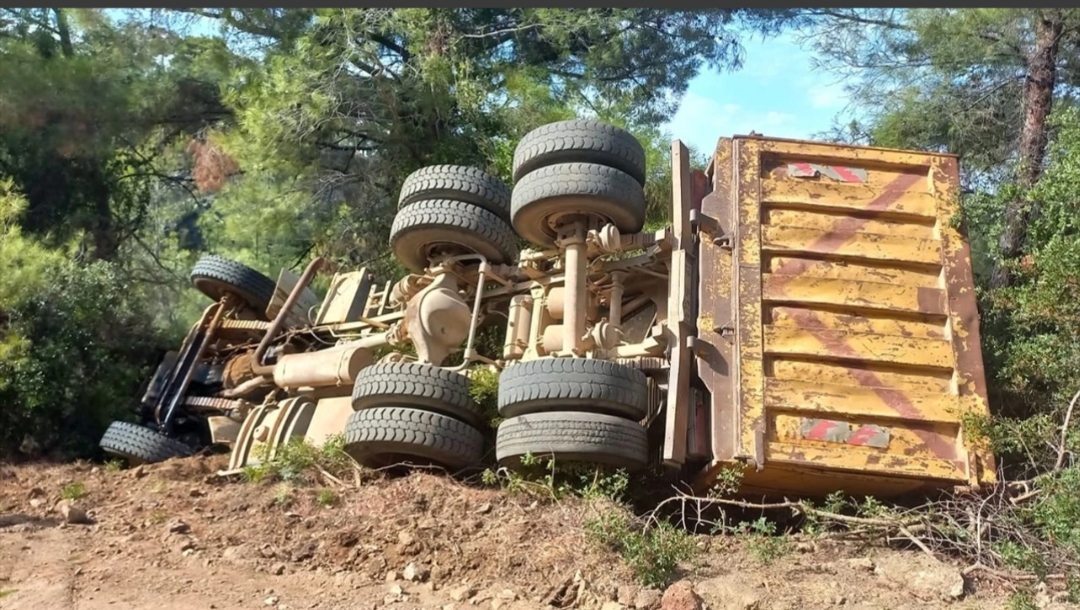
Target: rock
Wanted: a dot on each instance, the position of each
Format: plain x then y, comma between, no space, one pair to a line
278,569
861,563
647,599
396,590
196,492
508,595
304,551
405,538
71,513
805,547
270,601
448,607
612,606
947,582
625,594
729,594
36,492
36,502
680,596
462,593
415,573
497,603
391,576
179,527
484,509
923,576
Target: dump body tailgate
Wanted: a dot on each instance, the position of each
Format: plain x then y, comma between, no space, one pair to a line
852,352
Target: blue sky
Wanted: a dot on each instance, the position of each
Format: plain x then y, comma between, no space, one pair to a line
776,93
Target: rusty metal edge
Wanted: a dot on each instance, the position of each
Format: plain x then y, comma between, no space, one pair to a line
715,310
679,314
963,315
749,369
882,149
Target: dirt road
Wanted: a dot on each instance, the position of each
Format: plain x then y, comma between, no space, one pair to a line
174,536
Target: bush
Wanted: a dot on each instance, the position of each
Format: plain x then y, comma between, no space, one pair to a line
75,345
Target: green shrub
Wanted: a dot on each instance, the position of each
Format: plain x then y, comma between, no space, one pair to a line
653,553
75,344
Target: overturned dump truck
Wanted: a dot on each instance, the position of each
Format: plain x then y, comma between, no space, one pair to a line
807,317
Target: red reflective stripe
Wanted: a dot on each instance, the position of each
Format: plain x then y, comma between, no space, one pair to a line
819,431
845,174
862,436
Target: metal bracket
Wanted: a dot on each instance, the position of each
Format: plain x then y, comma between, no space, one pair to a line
700,221
727,331
704,223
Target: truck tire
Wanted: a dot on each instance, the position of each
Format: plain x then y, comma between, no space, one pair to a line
460,183
544,195
417,385
215,276
390,435
569,436
433,225
573,384
580,141
140,445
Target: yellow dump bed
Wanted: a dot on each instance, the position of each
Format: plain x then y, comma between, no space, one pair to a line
837,313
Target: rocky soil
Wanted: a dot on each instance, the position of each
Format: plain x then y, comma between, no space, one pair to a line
176,536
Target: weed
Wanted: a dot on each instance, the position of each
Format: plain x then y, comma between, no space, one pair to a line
158,516
283,496
327,497
1021,600
728,481
763,542
1015,555
484,388
542,477
73,491
256,473
1072,590
114,465
5,592
297,459
652,553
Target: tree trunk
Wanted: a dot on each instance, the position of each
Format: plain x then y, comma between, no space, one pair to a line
65,32
1038,102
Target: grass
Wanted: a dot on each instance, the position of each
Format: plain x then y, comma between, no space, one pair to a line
1021,600
327,497
283,496
651,548
73,491
298,459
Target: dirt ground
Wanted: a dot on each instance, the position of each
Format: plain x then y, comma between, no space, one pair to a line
175,536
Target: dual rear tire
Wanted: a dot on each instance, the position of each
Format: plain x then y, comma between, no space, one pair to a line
413,413
574,410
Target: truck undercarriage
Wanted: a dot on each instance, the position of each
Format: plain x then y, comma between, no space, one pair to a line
692,347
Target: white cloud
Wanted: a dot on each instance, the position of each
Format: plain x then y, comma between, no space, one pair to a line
776,93
830,95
